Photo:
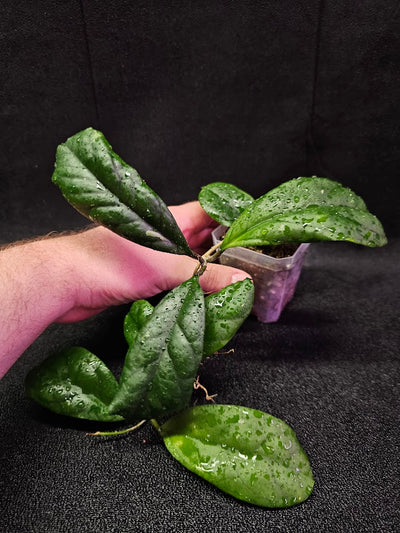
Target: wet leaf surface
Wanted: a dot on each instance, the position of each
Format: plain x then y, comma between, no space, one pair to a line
74,383
306,210
138,315
101,186
249,454
226,311
224,202
161,364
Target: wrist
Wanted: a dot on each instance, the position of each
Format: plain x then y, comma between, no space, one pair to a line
43,276
34,293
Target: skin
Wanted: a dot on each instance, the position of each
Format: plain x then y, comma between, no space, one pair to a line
71,277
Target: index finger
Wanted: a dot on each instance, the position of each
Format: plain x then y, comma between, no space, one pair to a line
194,222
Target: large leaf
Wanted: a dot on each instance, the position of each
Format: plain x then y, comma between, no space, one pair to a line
224,202
161,365
75,383
244,452
107,190
226,311
137,316
306,210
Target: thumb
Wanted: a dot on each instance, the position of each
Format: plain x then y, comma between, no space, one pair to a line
216,277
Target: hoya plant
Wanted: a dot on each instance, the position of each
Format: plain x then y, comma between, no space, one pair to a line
276,231
300,210
245,452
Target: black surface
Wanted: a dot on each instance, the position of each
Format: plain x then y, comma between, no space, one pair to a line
329,367
248,92
189,92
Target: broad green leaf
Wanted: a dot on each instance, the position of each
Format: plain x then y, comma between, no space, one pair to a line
101,186
313,223
138,315
226,311
224,202
249,454
75,383
304,191
306,210
161,365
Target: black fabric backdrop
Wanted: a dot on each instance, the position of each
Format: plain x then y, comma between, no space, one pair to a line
190,92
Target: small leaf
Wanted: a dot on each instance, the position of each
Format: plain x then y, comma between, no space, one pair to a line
101,186
224,202
74,383
249,454
306,210
226,311
137,317
161,365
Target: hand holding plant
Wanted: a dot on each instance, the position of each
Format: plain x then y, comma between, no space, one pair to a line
247,453
113,270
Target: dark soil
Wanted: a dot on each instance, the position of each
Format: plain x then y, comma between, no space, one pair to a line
278,251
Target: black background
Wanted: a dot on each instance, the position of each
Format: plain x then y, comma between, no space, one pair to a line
191,92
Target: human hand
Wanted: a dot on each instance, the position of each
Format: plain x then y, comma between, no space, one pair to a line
112,270
70,278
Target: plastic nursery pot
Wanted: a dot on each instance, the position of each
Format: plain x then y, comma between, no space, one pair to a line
275,279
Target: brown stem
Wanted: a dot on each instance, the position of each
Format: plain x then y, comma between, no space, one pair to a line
213,253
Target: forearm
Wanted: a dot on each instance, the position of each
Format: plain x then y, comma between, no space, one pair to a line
36,288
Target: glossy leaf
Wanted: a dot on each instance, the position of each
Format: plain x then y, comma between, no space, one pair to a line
101,186
224,202
75,383
306,210
312,224
161,365
138,315
249,454
226,311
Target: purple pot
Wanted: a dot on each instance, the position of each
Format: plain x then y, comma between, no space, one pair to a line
274,279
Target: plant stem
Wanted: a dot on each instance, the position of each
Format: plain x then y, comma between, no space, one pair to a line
209,257
213,253
201,267
120,432
156,424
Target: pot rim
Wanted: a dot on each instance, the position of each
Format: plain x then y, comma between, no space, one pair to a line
257,258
